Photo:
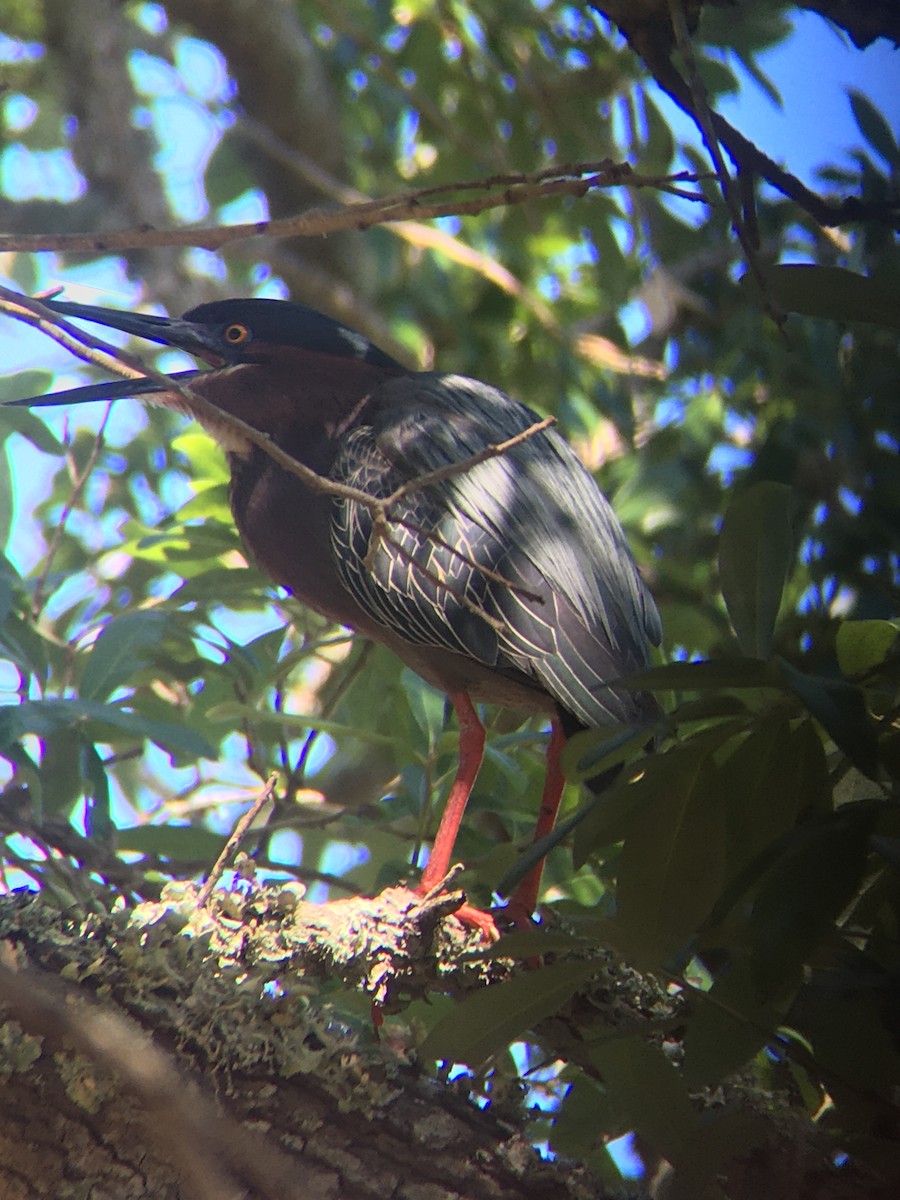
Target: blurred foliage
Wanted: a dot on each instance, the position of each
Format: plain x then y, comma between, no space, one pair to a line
152,679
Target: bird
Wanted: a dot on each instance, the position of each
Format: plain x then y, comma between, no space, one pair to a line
506,580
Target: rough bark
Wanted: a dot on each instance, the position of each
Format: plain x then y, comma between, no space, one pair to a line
154,1055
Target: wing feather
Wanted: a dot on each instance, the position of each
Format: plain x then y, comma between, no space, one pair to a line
573,613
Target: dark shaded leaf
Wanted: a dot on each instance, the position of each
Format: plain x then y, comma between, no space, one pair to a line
487,1021
756,553
649,1090
98,821
123,648
728,1026
525,943
672,866
841,710
775,774
723,1138
696,676
874,128
849,1037
813,880
834,293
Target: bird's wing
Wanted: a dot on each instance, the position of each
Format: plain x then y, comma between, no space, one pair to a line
518,561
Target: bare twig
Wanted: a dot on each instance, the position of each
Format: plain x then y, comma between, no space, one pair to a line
425,236
703,117
79,481
502,191
237,836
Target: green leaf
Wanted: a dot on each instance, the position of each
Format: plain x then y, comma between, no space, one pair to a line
841,710
178,843
874,128
6,499
672,866
42,717
230,711
834,293
121,651
649,1090
21,644
594,751
580,1120
815,877
864,645
607,818
527,943
724,1137
772,776
849,1036
756,553
98,821
727,1028
697,676
489,1020
26,423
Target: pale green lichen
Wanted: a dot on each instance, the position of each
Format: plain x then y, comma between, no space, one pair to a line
18,1049
85,1085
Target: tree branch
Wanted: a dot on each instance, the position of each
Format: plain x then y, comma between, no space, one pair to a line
502,190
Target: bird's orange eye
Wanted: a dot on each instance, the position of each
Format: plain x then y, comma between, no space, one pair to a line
236,335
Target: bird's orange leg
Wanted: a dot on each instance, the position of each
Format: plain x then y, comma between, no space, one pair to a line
471,753
524,900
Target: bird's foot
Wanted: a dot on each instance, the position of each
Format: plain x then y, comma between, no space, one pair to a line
516,915
476,918
466,914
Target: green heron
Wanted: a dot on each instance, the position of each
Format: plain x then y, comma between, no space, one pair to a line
509,582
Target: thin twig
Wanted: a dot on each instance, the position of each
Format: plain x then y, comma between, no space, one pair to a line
503,191
237,836
79,483
703,117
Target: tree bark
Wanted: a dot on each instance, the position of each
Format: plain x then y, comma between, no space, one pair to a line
156,1056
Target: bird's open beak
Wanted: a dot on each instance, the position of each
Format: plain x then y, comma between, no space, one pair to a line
189,336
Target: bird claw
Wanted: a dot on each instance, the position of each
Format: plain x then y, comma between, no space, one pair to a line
476,918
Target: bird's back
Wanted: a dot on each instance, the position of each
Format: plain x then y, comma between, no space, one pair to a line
516,566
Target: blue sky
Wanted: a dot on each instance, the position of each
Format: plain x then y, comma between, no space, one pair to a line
812,70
